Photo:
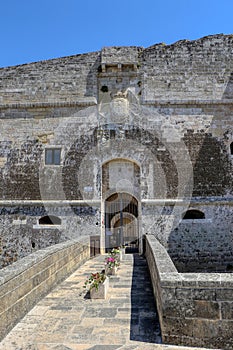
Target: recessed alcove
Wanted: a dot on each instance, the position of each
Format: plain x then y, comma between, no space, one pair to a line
50,220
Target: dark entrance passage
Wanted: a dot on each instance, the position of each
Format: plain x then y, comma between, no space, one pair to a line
121,221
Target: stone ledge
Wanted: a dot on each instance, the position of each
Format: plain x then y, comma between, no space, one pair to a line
182,201
80,102
11,271
140,345
193,308
25,282
94,202
187,102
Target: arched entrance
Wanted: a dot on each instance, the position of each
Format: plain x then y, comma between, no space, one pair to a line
121,220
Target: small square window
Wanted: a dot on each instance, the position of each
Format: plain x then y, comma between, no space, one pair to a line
53,156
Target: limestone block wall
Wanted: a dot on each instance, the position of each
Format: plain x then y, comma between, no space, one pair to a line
61,80
194,309
24,136
204,245
21,234
166,108
200,69
194,245
25,282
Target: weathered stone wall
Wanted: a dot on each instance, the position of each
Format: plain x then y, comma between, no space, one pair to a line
166,109
189,70
200,69
61,80
23,142
194,309
25,282
21,234
193,244
204,245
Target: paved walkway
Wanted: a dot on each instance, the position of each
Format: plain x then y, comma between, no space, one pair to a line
66,319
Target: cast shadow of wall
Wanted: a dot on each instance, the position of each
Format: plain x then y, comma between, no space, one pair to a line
208,245
144,325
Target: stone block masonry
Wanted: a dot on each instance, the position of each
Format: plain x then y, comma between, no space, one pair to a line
194,308
143,139
116,104
25,282
21,234
188,70
67,319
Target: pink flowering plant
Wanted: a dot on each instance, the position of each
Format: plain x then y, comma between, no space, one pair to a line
95,280
115,253
111,262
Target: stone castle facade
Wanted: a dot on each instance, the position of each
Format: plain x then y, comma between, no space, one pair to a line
119,143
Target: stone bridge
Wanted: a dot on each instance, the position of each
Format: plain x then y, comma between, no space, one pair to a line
42,297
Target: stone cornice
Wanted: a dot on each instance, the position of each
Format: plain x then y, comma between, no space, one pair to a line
97,202
92,101
192,201
187,102
58,202
81,102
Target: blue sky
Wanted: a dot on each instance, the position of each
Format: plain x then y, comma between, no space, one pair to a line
39,30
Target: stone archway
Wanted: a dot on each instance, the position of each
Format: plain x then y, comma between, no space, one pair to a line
130,227
120,202
121,220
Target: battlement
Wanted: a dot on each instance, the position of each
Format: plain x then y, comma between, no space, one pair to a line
186,70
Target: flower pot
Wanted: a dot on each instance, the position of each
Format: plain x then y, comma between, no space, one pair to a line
122,254
111,271
117,254
101,293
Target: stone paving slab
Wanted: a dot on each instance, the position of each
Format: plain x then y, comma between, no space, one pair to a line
67,319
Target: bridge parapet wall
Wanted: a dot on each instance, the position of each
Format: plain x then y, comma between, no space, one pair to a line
195,309
25,282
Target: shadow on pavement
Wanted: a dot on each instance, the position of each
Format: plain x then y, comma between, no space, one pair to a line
144,325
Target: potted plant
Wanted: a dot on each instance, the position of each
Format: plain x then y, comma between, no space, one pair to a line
111,265
98,284
122,252
116,253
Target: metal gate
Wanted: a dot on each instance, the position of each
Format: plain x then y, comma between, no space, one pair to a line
121,223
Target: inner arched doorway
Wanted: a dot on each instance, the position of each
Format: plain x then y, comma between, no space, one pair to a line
121,220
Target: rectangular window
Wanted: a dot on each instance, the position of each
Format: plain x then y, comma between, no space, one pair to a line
53,156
